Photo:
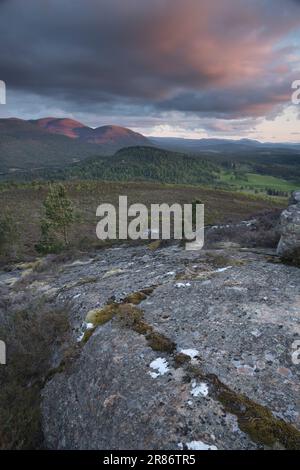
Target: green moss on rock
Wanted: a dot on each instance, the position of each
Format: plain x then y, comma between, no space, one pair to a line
155,245
128,315
142,328
258,421
148,290
99,316
181,359
135,298
254,419
159,342
87,334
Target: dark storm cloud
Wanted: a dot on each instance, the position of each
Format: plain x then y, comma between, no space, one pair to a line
225,59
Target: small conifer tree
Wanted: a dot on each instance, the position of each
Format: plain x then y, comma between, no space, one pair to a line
59,216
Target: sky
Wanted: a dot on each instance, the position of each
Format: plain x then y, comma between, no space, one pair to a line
180,68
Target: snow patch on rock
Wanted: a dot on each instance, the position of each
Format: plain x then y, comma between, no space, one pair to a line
182,284
192,353
201,389
197,445
221,270
160,365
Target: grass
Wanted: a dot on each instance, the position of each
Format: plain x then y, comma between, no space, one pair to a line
253,181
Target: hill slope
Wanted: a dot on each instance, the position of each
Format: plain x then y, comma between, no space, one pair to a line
146,164
51,142
25,146
66,127
112,137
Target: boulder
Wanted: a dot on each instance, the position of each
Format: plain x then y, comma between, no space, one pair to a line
295,197
289,244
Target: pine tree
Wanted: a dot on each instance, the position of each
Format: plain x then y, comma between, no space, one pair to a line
59,216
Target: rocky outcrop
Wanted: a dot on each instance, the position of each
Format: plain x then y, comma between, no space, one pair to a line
289,245
200,358
175,349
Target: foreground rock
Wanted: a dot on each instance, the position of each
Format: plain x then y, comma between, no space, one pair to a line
289,245
203,361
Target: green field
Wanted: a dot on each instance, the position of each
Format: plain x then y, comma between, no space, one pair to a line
252,182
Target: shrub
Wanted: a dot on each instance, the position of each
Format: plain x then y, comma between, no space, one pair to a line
292,258
7,232
32,336
264,232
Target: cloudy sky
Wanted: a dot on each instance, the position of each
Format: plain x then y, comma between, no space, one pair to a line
186,68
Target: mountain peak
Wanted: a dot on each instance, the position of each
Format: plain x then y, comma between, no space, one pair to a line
112,135
63,126
117,134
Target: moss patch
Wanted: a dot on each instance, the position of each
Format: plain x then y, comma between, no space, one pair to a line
142,328
155,245
101,315
87,334
254,419
222,261
135,298
133,318
148,290
181,359
258,421
159,342
128,315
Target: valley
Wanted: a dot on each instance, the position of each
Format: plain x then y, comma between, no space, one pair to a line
62,149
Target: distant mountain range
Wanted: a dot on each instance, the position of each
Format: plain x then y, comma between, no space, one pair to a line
218,145
58,142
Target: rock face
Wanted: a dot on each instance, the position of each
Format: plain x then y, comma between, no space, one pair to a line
290,229
175,349
231,317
